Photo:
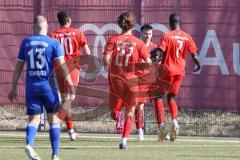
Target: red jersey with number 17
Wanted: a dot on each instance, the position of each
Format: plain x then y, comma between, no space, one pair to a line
125,50
71,40
175,44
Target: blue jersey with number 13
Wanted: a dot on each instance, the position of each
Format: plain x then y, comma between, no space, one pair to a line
39,52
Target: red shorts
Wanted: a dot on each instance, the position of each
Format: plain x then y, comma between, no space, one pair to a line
165,85
142,95
145,81
124,91
63,86
116,104
74,73
175,82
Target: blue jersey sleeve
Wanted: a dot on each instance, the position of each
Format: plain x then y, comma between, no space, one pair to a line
21,55
58,51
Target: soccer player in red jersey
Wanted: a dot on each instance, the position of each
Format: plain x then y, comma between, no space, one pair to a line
146,36
174,45
72,40
121,52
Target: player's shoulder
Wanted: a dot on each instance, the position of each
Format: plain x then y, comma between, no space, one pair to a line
178,33
27,39
167,35
74,31
53,42
185,34
114,37
134,39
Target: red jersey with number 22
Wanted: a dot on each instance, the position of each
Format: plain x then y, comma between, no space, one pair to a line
71,40
175,44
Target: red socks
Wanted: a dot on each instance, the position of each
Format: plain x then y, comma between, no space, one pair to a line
173,109
139,118
160,113
62,113
128,126
69,122
64,116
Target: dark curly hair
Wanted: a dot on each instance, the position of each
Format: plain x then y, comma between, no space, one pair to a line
126,21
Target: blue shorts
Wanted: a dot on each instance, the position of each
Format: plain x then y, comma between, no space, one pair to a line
50,101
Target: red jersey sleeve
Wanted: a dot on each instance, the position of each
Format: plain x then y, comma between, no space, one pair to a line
163,43
52,35
143,51
81,39
191,47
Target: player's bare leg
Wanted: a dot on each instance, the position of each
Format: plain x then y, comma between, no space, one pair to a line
139,121
129,119
65,115
160,117
173,108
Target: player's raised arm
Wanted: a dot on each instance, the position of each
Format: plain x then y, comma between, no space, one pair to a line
17,72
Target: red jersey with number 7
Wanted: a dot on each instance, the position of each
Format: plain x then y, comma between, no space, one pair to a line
175,44
71,40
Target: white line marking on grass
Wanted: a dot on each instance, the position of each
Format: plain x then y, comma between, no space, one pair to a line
132,138
130,146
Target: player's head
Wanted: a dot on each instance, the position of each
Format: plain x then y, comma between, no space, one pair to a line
156,55
64,18
40,25
126,21
146,32
174,21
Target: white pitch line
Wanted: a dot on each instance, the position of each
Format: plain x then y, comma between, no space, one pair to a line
132,138
130,146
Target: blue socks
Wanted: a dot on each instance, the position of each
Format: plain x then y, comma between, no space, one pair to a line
31,133
54,133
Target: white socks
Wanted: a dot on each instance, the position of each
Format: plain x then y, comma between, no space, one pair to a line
123,141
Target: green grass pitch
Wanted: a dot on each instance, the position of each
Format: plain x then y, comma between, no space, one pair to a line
105,147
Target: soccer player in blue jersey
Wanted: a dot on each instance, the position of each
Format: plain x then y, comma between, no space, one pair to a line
40,52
